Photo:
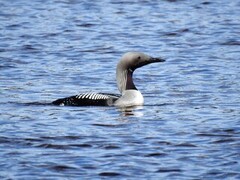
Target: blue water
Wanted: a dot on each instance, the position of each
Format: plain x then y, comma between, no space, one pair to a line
189,127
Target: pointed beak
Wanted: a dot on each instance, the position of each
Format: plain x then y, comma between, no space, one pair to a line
153,60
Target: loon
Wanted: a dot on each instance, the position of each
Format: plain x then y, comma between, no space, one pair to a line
130,96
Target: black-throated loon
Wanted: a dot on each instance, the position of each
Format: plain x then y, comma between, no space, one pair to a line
130,96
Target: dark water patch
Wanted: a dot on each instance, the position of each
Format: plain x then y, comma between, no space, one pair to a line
81,145
86,25
13,61
231,43
206,3
53,146
33,139
48,35
109,174
28,36
69,137
13,26
185,145
163,143
4,140
5,50
163,104
177,33
68,30
66,146
89,167
229,163
167,170
172,1
28,47
121,2
156,154
111,146
113,156
62,168
215,172
35,103
230,131
62,138
212,134
225,140
109,125
26,142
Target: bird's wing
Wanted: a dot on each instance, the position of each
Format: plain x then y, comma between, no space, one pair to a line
88,99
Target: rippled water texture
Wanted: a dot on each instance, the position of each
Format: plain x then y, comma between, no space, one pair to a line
189,126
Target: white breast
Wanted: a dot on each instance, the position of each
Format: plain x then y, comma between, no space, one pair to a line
130,98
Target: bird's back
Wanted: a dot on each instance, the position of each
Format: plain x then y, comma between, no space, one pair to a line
88,99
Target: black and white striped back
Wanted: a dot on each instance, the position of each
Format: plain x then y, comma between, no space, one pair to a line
88,99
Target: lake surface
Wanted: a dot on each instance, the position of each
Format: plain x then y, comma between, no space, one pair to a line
189,127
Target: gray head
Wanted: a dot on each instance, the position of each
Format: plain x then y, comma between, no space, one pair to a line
126,66
134,60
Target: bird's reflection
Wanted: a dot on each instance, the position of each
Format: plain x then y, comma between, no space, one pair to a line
132,111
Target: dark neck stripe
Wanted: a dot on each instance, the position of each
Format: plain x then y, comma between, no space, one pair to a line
130,84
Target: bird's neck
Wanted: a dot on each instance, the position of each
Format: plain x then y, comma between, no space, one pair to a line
125,80
130,84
